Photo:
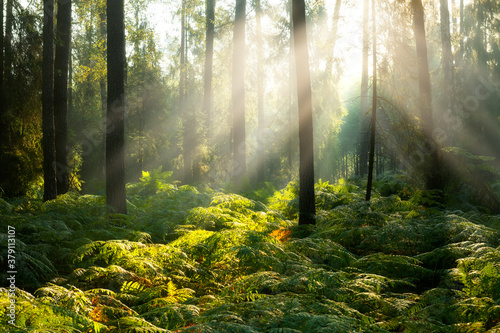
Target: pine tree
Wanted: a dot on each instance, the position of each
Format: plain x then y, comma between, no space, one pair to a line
307,209
48,142
115,168
61,63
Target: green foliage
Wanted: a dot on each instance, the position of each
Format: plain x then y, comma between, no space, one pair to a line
193,260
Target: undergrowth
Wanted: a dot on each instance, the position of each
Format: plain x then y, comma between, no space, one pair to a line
196,260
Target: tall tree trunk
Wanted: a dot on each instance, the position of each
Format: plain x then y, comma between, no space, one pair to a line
48,141
432,172
307,209
260,97
291,109
447,57
9,17
63,37
364,120
373,122
2,106
187,134
209,55
70,82
115,116
238,92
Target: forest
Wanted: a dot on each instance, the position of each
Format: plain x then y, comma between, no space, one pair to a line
278,166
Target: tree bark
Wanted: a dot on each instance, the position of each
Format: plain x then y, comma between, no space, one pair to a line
115,116
2,105
373,122
432,172
291,110
9,16
238,93
48,140
307,209
186,117
209,55
364,120
63,37
260,97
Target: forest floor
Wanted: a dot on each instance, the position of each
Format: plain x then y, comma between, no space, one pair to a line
188,259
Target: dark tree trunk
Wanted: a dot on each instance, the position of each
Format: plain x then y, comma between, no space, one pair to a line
63,37
48,141
432,172
2,106
238,93
9,16
209,55
3,125
70,82
307,209
364,120
115,116
373,121
260,97
291,110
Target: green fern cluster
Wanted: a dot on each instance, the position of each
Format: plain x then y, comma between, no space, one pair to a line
190,260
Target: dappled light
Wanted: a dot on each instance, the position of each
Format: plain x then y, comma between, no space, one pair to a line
250,166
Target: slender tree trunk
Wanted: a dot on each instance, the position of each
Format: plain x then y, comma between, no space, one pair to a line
432,171
9,16
260,96
115,116
63,37
2,106
70,82
187,151
307,209
2,109
373,122
364,120
291,109
209,55
238,92
48,142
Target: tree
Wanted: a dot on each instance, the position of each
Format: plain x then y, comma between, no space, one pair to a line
115,116
2,107
307,209
432,172
48,142
238,93
364,123
447,56
373,121
209,55
260,96
61,63
187,121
